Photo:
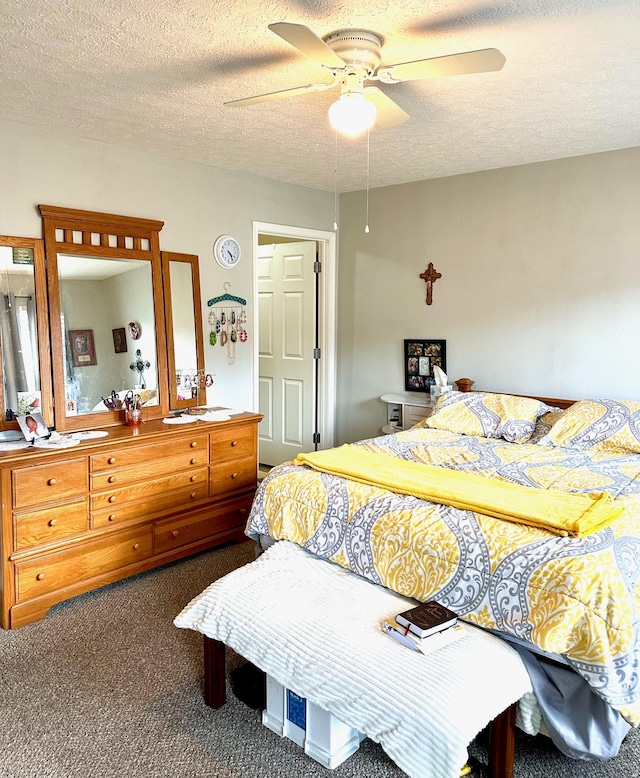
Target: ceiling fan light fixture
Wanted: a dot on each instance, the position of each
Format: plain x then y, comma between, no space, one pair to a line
352,114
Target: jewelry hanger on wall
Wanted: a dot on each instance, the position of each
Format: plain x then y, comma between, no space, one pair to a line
227,322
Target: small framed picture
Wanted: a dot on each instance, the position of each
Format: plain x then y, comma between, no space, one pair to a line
83,350
420,357
28,402
33,426
135,330
119,340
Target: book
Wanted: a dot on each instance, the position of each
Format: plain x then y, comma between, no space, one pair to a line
425,645
427,618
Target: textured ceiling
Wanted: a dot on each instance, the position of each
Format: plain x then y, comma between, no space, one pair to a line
154,76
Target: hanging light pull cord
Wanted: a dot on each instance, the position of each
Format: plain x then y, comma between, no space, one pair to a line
335,186
366,226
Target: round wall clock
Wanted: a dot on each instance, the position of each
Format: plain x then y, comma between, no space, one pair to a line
226,251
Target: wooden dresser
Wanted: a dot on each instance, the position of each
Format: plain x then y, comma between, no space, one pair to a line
77,518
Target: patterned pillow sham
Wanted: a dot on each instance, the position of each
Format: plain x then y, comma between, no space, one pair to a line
598,425
487,415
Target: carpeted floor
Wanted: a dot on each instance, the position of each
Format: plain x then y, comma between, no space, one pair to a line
107,687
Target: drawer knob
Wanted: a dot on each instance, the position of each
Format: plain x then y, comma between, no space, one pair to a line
53,522
234,476
51,482
243,511
111,460
111,479
112,498
234,443
193,461
40,577
193,478
194,443
193,495
112,517
174,533
136,546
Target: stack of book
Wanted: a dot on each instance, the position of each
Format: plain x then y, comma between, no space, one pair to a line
427,627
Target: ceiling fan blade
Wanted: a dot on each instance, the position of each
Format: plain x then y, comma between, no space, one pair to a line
480,61
389,112
305,40
298,90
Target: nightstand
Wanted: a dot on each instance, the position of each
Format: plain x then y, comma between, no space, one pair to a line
404,409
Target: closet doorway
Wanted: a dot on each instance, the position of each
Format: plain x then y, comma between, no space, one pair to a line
294,278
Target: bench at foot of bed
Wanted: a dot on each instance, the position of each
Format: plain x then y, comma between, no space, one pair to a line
316,629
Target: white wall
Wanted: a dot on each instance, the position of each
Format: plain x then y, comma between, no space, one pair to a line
196,202
540,287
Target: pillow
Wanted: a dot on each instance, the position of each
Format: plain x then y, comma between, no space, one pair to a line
487,415
598,425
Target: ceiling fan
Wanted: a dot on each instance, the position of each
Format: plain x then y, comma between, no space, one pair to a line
354,58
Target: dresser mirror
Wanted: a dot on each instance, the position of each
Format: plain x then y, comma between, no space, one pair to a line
25,383
107,317
107,314
185,349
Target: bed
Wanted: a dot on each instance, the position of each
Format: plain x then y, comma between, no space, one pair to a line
569,593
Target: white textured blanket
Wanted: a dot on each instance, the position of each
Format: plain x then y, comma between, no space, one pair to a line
316,628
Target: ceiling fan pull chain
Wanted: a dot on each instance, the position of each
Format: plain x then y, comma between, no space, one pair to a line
366,226
335,187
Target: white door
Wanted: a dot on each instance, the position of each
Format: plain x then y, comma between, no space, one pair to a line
287,337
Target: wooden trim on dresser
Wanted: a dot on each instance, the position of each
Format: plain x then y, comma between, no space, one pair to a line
42,319
90,233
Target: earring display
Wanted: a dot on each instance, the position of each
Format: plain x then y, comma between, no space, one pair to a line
190,381
227,322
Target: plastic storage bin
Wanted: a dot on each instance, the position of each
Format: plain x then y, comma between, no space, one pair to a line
323,737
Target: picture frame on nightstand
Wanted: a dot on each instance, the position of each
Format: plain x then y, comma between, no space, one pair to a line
420,357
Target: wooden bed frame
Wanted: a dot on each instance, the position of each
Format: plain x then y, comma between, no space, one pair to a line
555,401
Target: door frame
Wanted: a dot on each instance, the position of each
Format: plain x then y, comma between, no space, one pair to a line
327,307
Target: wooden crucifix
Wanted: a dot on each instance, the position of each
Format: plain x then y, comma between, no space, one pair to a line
430,276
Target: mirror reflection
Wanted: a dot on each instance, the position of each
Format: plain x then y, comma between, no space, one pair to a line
184,329
18,332
108,332
185,351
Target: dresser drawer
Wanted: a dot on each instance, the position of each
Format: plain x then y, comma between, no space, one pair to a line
113,498
233,443
63,568
49,483
229,476
136,455
142,509
111,479
47,524
173,533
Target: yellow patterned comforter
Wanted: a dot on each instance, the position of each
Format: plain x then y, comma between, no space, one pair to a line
579,597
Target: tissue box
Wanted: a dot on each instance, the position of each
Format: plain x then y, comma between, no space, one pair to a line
323,737
436,390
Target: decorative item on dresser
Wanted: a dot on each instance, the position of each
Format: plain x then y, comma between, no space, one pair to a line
118,504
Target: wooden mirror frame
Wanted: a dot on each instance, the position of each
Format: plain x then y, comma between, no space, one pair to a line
101,235
167,258
42,321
